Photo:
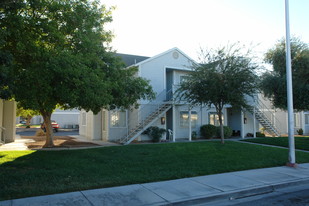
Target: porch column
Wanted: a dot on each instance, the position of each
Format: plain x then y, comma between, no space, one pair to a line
174,123
9,120
254,123
190,132
242,130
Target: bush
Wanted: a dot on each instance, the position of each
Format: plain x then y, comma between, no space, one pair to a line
226,130
155,133
208,131
40,132
259,134
194,135
300,131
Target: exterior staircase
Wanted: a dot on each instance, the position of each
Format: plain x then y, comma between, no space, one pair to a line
151,112
265,117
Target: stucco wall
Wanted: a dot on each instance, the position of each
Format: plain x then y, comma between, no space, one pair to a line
155,70
9,121
66,118
86,125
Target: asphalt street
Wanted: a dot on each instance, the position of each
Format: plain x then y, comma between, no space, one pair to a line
289,196
31,132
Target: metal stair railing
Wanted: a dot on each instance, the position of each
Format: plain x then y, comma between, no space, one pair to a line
146,115
266,117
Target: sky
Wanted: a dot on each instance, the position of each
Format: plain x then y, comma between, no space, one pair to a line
150,27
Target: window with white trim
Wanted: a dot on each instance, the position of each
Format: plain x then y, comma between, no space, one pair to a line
306,118
183,78
118,118
214,118
296,120
184,119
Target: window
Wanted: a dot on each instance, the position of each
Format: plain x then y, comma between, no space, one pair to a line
118,118
183,78
296,120
306,118
214,119
184,119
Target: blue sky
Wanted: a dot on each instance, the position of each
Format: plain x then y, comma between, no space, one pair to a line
149,27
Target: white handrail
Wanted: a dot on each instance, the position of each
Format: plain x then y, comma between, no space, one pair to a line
139,119
268,114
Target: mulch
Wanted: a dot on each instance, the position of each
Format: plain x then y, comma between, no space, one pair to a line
59,142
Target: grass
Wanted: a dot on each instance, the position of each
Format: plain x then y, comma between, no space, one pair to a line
32,173
301,143
31,126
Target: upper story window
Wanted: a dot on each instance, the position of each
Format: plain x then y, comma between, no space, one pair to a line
118,118
184,119
183,78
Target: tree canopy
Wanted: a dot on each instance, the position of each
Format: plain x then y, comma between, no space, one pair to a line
225,76
26,113
56,52
274,83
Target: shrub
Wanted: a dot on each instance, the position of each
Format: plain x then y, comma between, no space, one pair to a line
194,135
259,134
249,135
208,131
155,133
39,132
300,131
226,130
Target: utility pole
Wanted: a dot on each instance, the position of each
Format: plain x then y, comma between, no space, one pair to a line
292,161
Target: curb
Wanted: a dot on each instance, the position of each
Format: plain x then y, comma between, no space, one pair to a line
243,193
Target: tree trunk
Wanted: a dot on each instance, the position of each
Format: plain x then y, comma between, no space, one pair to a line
221,126
49,130
29,117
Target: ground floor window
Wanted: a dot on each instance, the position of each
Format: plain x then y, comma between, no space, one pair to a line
306,118
214,119
184,119
118,118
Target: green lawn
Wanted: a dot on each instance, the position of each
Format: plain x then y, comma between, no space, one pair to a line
31,126
300,142
31,173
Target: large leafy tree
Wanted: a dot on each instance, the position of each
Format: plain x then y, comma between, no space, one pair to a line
26,113
56,52
273,83
225,76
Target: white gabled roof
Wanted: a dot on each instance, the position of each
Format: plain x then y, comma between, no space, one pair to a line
162,54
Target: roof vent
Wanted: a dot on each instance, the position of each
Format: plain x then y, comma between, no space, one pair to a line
175,55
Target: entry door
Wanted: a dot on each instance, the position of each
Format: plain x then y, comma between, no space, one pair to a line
306,124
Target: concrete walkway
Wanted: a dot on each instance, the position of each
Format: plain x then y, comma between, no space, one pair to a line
18,144
187,191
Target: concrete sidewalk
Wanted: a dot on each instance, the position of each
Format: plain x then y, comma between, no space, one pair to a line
185,191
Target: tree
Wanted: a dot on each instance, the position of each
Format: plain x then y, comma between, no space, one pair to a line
273,82
60,55
225,76
26,113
